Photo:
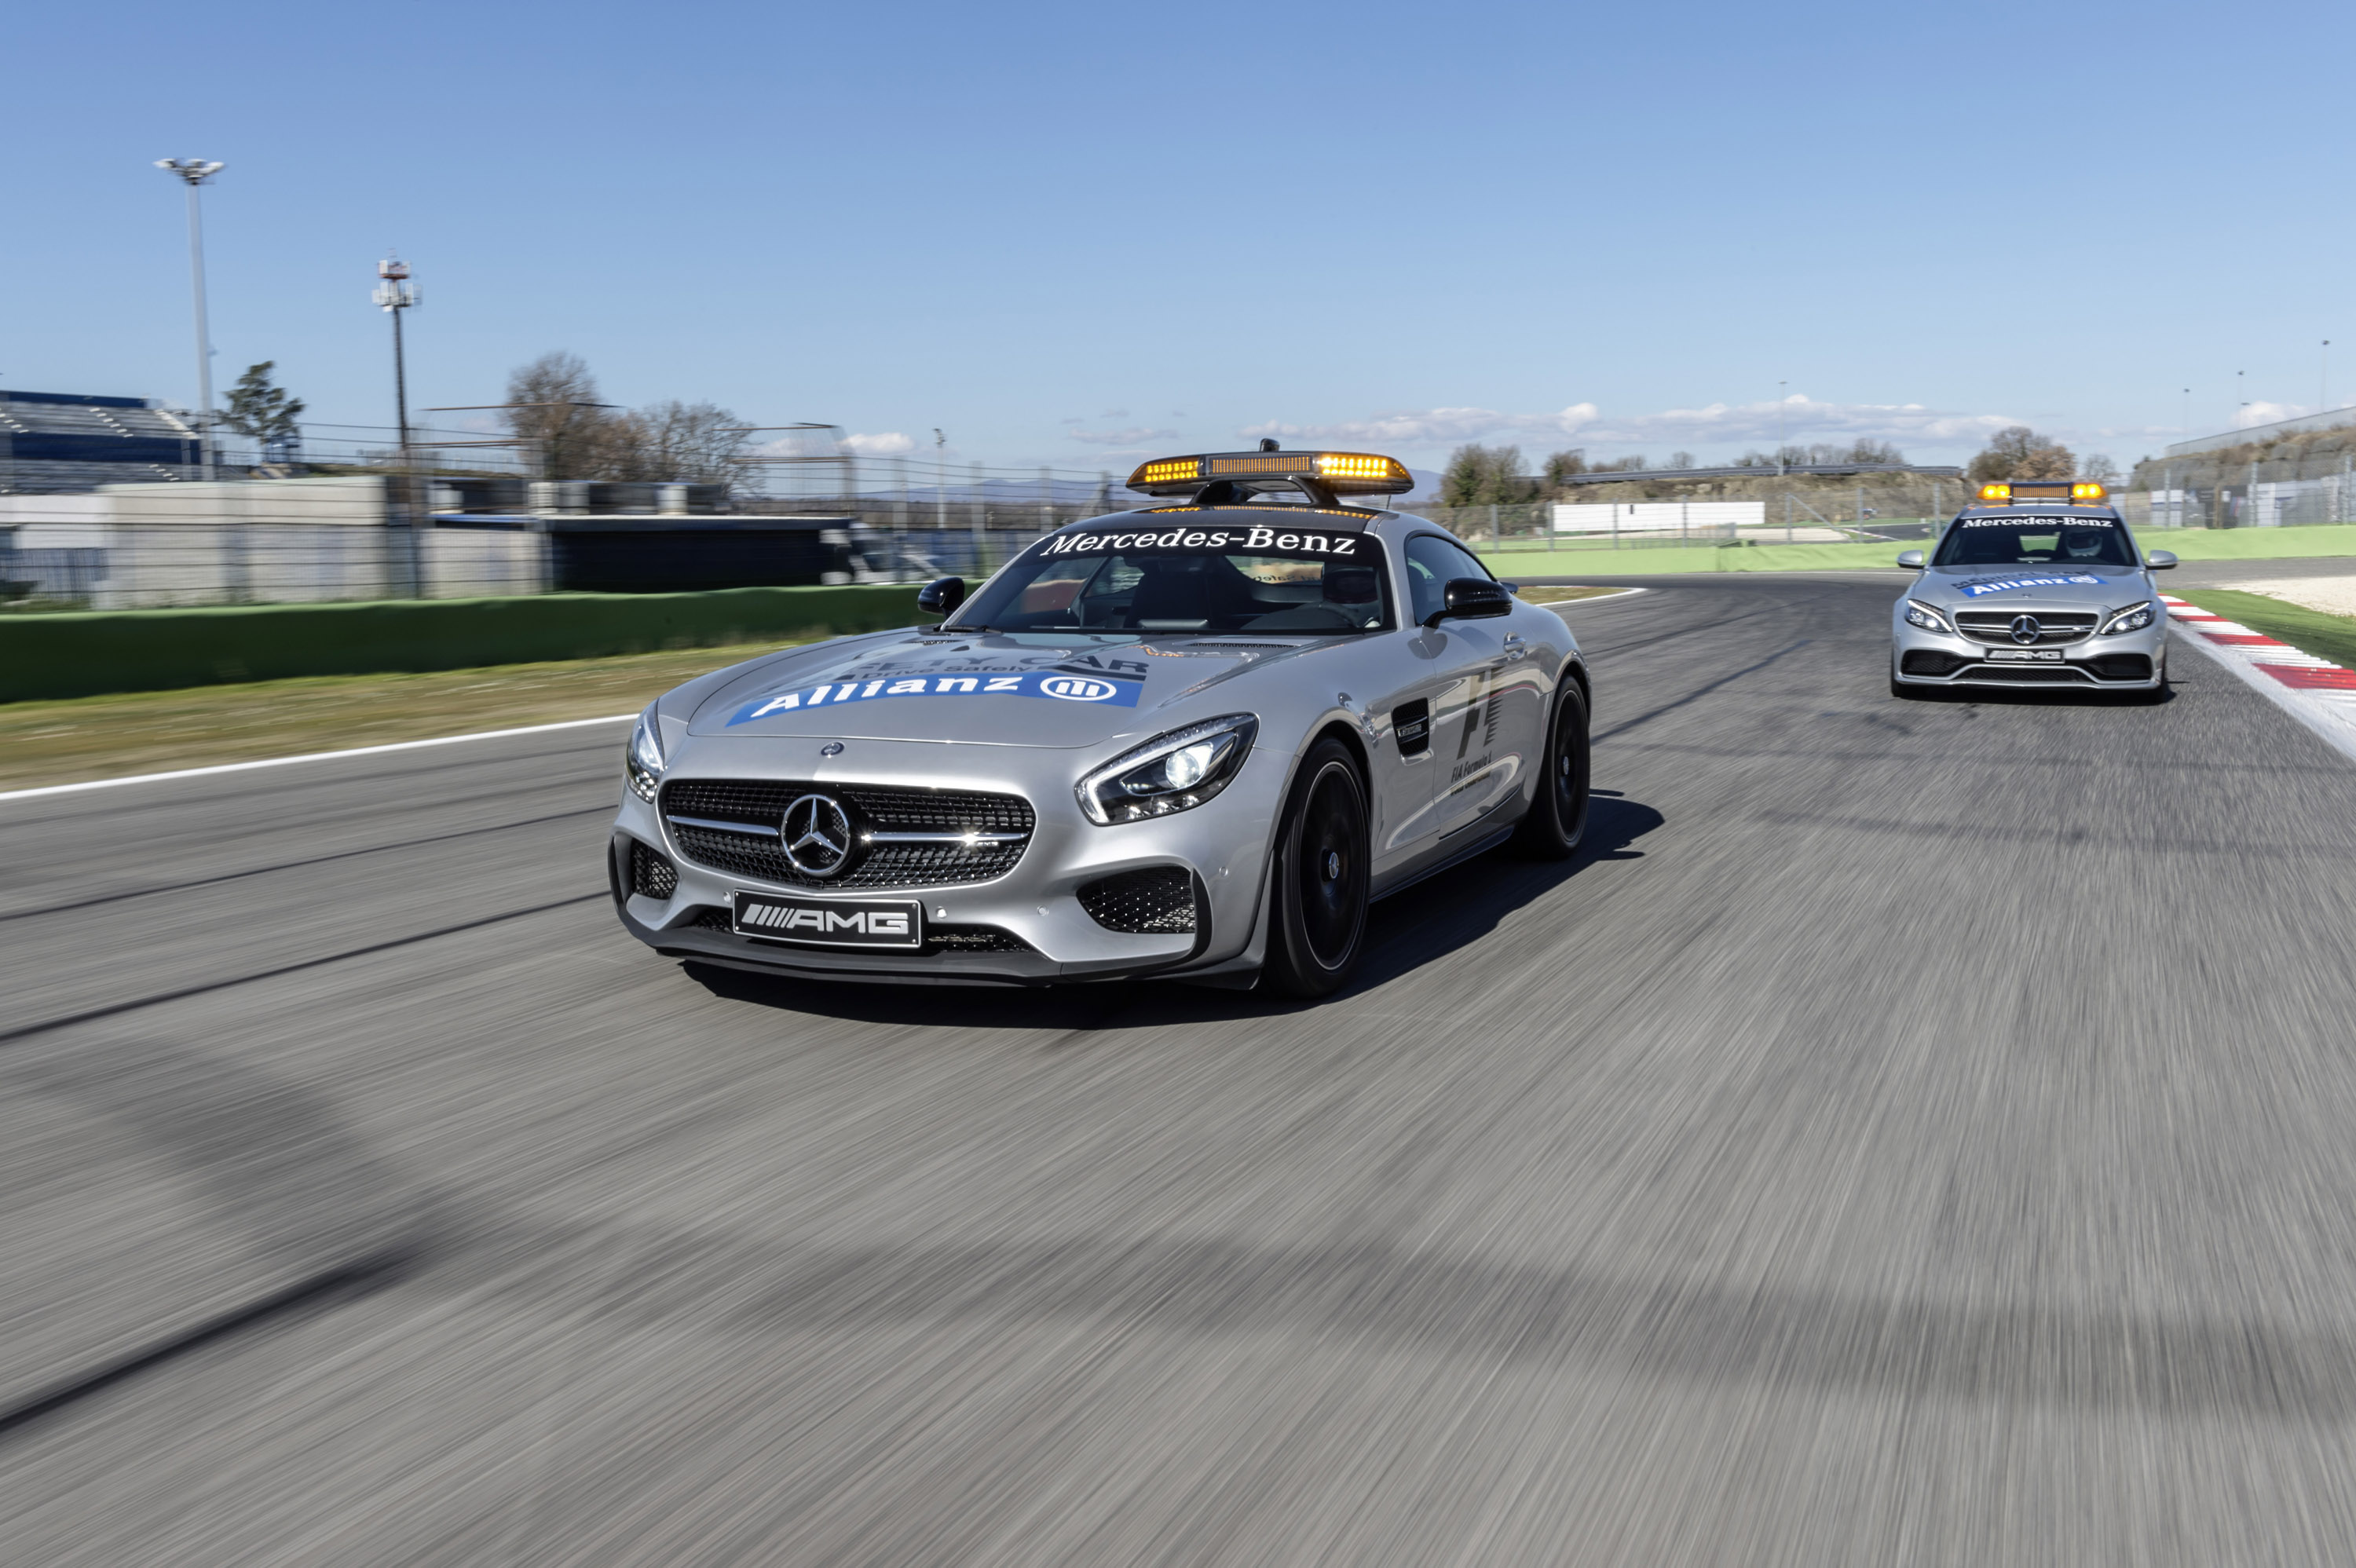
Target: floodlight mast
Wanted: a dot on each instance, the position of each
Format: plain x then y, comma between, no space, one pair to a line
195,172
395,293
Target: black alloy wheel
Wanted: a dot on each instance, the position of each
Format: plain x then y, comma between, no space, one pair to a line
1558,817
1322,847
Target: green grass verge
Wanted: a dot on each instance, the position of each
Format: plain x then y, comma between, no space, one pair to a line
2309,631
46,656
2190,544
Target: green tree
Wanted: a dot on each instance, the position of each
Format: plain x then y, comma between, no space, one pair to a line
258,409
2017,451
1561,465
1480,476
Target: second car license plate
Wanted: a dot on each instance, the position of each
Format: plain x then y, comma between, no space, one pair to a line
836,923
2043,655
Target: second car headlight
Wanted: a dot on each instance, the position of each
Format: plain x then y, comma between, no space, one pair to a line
2134,618
643,761
1921,614
1175,772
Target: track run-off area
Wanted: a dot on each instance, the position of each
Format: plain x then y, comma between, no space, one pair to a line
1910,1132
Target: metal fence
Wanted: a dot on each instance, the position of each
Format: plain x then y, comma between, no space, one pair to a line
2202,492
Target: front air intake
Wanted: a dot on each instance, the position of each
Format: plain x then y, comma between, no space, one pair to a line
651,876
1158,899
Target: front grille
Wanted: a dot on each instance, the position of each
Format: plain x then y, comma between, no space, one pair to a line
1157,898
760,805
1995,626
651,874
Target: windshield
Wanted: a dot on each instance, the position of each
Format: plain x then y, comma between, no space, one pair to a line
2035,541
1235,578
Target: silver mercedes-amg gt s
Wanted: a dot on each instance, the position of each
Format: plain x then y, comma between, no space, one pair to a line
1194,740
2040,583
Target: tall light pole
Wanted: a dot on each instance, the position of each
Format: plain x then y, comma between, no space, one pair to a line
192,172
395,293
941,480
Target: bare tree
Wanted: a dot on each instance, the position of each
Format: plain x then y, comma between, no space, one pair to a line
698,443
2017,451
1682,460
2098,467
556,413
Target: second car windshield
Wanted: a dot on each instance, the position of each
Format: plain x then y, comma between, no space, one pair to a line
2035,541
1188,579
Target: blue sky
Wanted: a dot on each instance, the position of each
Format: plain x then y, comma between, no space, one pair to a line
1071,235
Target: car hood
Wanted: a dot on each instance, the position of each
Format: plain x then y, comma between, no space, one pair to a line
2098,587
1020,691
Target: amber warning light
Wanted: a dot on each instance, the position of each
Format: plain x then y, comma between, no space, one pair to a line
1343,473
2082,493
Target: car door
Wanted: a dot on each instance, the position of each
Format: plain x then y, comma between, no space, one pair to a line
1487,704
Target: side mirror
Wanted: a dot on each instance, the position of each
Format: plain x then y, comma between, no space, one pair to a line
941,595
1911,558
2159,559
1472,599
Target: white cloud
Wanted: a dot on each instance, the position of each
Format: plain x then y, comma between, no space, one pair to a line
891,444
1122,438
2268,414
1802,419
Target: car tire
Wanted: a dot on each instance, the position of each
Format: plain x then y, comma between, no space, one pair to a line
1323,849
1558,817
1899,688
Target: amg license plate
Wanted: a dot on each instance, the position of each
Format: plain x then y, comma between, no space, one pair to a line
836,922
2040,656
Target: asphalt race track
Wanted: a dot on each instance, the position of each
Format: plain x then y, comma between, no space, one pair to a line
1911,1133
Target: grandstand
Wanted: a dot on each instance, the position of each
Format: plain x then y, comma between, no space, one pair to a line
56,443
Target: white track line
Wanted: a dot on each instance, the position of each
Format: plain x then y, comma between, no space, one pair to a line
1559,605
309,757
2256,659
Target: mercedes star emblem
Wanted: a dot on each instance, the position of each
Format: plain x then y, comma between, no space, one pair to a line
816,833
2027,629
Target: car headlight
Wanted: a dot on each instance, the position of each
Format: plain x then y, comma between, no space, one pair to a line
643,761
2134,618
1921,614
1175,772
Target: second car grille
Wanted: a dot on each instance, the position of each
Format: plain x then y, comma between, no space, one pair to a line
1004,820
2053,625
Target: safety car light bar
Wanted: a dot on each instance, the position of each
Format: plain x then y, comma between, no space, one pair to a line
2078,492
1343,473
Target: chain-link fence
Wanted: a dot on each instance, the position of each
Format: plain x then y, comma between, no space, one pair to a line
2313,483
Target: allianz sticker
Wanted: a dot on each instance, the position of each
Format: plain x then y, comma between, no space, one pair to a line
1980,585
1059,686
